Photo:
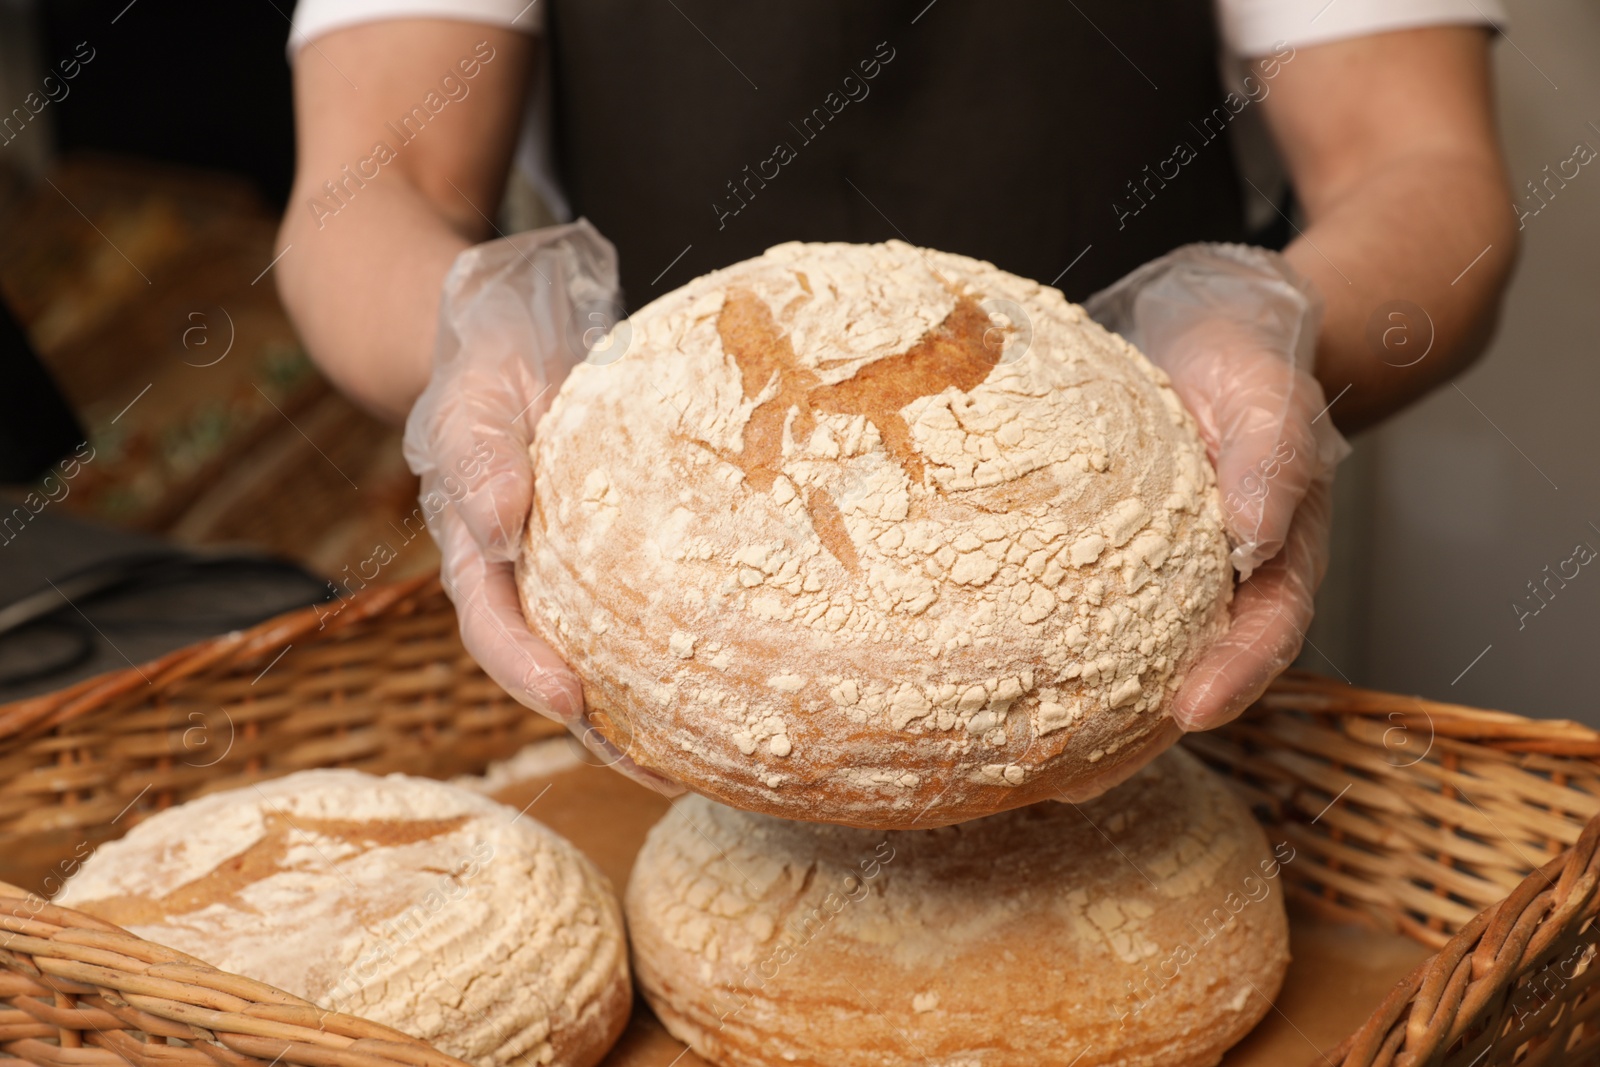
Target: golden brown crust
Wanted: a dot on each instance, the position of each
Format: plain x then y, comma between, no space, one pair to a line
1144,929
828,543
585,1041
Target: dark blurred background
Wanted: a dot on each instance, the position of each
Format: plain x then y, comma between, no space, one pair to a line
194,85
197,473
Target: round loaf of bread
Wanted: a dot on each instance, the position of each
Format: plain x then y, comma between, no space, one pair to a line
875,535
1142,929
406,901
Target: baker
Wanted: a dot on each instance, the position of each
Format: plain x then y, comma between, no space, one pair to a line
1096,146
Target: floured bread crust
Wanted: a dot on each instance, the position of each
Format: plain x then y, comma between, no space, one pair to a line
875,535
402,900
1143,929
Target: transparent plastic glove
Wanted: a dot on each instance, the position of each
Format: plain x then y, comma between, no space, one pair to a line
515,316
1235,329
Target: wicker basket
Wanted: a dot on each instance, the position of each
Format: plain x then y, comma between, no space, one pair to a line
87,994
1471,831
378,682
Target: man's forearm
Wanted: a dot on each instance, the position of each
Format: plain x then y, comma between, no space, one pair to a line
1411,264
1389,139
382,205
364,290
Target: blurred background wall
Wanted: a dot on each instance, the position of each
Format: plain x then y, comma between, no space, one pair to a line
1450,511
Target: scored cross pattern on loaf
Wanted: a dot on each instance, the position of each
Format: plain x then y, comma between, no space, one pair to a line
382,898
265,857
958,354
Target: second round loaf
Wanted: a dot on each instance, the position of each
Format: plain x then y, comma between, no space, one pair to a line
1143,929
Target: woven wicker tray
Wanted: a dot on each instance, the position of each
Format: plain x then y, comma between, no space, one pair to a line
1467,831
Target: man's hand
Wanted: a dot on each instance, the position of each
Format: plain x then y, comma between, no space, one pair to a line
373,237
1235,329
507,336
1390,144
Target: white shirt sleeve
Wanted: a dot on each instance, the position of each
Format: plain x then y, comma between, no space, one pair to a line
1257,27
1249,27
313,18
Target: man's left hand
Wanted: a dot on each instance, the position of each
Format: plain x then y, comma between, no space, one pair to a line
1235,329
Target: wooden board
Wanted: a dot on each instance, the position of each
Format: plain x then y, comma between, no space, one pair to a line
1338,976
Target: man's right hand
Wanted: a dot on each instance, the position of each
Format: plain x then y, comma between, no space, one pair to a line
366,243
508,333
